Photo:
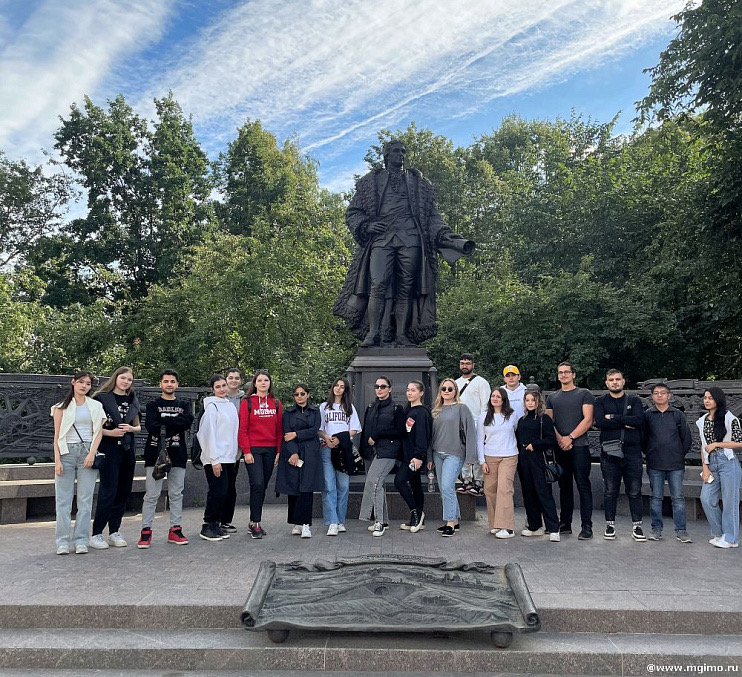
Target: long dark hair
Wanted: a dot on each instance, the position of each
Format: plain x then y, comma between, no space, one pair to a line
110,384
720,415
251,390
71,392
506,409
346,401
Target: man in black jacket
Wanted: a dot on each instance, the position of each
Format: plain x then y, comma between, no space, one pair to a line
666,441
619,416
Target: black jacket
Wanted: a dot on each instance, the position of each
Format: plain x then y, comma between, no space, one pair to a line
384,423
415,444
537,431
110,406
631,423
290,479
176,417
667,439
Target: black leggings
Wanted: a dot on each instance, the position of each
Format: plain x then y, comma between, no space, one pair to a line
260,475
409,486
218,491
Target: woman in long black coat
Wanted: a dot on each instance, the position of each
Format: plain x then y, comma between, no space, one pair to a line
300,463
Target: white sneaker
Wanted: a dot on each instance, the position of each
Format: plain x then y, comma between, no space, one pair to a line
420,524
528,532
504,533
63,550
554,537
97,542
373,526
332,530
723,543
341,529
117,540
714,539
296,530
306,532
494,531
81,549
379,529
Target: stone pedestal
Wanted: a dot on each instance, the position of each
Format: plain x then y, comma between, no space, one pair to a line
401,365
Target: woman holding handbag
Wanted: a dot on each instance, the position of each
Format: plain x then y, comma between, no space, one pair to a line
122,408
454,443
339,417
536,441
721,436
299,472
78,424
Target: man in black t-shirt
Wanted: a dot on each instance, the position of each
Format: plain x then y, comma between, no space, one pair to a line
571,409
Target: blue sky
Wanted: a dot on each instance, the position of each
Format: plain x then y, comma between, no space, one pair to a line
329,72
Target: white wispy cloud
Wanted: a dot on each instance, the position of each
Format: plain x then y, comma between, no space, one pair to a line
61,52
334,71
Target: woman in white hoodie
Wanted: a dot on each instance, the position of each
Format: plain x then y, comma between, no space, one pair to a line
721,436
217,434
78,424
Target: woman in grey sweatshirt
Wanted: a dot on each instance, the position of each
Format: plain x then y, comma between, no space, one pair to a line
454,443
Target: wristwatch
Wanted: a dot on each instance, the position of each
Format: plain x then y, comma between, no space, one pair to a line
570,437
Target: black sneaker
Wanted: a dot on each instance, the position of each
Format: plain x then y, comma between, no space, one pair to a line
255,531
565,528
263,532
474,490
441,529
586,534
229,528
209,533
463,489
609,534
447,531
223,531
637,533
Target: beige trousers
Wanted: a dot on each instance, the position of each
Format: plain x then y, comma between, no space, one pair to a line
498,490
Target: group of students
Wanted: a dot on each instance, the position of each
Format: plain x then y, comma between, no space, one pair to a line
312,450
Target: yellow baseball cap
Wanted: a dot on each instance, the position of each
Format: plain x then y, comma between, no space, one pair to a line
511,369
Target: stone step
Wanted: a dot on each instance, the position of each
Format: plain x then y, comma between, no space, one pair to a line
38,471
548,653
191,617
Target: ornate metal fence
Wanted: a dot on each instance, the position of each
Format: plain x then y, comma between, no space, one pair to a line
26,428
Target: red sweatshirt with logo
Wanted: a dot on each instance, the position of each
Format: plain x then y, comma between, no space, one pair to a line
261,423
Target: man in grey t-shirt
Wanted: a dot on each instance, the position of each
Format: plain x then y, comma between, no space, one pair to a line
571,409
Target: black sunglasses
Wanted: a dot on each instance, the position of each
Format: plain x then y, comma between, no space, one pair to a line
449,389
300,394
380,387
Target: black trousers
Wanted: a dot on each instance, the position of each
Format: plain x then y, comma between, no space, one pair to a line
537,495
260,475
576,466
217,495
409,486
300,508
630,469
230,500
116,477
382,269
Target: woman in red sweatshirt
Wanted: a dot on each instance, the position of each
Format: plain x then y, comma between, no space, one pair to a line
260,437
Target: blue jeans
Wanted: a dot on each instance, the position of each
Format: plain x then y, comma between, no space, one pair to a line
64,490
657,483
335,494
726,486
447,469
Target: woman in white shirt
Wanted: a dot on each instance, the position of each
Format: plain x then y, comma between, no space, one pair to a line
217,434
78,425
338,415
497,450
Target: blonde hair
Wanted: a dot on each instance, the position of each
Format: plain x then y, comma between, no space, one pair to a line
439,400
110,384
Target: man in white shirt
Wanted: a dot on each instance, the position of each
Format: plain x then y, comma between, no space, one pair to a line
474,392
516,390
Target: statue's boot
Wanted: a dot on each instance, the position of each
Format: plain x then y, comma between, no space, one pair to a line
374,323
401,312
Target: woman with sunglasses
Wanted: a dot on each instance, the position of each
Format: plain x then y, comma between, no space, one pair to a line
383,427
454,443
721,436
260,438
415,443
299,472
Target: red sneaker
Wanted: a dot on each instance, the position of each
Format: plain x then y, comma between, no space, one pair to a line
176,536
145,539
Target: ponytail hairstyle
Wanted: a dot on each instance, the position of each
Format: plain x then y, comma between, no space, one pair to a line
506,410
420,386
720,415
110,384
346,401
71,392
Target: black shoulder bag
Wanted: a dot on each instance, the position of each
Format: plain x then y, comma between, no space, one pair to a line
552,470
615,447
100,457
163,464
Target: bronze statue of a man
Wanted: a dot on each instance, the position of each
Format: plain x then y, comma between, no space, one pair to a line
388,297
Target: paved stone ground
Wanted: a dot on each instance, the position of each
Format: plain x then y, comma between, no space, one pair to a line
597,574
